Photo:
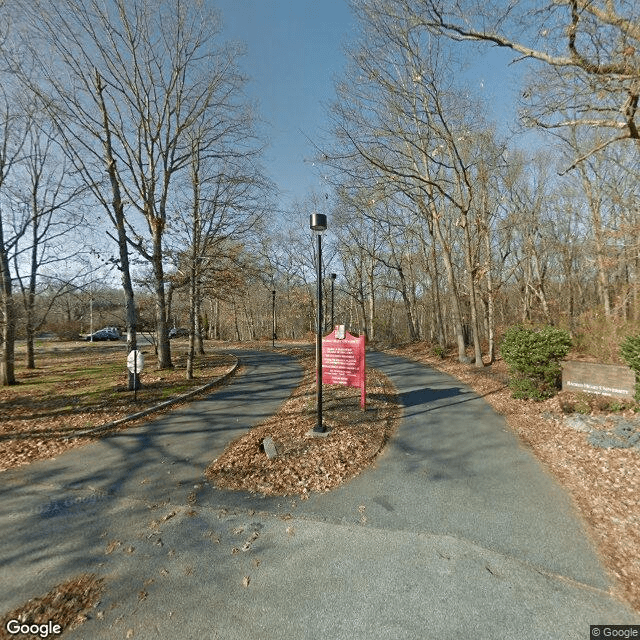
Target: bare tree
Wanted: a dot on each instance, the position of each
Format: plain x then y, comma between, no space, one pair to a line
414,128
44,187
605,187
360,248
588,50
13,132
142,75
71,89
227,197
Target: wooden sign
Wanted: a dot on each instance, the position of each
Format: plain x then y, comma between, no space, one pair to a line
343,361
602,379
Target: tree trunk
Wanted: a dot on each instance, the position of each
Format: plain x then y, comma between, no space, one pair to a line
598,236
31,291
372,307
526,296
216,320
129,302
235,320
7,362
29,324
250,320
118,219
407,305
436,297
192,319
489,280
169,302
162,332
475,329
364,328
199,329
7,371
454,297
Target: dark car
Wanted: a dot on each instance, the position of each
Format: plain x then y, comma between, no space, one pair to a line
178,333
109,333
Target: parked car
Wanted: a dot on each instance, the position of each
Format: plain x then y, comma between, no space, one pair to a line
108,333
178,333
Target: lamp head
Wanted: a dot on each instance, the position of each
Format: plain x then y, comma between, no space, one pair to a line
318,222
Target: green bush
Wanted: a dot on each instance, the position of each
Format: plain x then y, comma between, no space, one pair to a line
533,358
439,351
630,352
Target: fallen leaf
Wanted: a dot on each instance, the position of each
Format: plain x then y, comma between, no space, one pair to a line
112,546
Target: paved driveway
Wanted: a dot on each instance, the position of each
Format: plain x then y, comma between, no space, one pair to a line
456,531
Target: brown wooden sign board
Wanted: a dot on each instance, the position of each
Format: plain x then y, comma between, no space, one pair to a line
602,379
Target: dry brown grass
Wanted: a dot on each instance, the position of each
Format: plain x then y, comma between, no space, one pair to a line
604,483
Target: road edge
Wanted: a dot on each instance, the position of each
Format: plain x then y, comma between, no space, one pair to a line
158,407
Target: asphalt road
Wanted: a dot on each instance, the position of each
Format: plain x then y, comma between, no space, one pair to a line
456,532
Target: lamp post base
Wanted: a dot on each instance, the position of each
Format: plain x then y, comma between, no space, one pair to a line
314,433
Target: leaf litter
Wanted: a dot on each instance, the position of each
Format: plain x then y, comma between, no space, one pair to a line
603,483
77,386
67,604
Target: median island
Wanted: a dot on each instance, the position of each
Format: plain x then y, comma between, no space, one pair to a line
301,463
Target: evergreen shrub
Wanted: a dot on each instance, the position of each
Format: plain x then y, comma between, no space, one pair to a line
439,351
533,359
630,352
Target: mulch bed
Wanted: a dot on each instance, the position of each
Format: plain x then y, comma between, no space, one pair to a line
305,463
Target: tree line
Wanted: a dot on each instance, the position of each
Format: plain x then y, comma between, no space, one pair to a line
440,209
129,119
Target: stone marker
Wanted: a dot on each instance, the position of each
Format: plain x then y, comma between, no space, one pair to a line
270,448
578,423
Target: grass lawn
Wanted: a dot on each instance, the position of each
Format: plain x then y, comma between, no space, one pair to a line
78,385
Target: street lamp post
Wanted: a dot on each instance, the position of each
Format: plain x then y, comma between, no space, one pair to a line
318,224
333,280
273,319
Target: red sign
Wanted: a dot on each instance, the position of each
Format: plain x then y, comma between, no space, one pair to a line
343,360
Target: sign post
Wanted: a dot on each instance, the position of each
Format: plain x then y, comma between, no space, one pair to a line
135,364
343,357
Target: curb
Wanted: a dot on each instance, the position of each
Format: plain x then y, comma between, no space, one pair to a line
163,405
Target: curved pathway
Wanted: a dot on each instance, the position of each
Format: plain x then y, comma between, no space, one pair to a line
457,531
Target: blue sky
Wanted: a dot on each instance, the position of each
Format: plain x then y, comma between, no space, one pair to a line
295,50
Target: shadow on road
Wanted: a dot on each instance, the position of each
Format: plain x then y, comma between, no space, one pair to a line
58,516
